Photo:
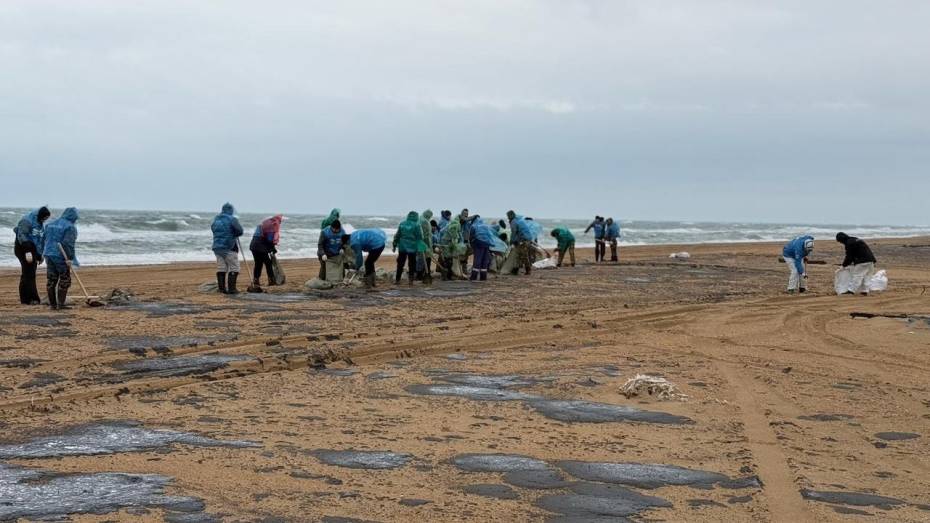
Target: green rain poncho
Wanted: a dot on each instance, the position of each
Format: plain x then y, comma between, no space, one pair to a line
333,216
564,237
426,229
409,236
451,240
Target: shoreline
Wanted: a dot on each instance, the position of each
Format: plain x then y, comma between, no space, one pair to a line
636,251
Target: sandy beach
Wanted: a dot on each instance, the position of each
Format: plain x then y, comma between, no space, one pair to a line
476,402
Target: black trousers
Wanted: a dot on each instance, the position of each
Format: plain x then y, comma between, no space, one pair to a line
28,293
600,249
370,261
262,259
408,258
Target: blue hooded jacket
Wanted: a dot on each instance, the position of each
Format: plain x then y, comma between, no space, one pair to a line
520,231
796,250
61,231
30,230
598,226
330,242
481,232
366,240
612,231
226,230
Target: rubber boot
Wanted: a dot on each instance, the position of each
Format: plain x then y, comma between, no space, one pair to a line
231,289
52,298
221,282
370,281
483,276
62,299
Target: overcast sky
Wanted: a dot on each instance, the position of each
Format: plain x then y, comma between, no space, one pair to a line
800,111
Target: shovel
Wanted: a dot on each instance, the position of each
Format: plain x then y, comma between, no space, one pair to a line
91,301
256,289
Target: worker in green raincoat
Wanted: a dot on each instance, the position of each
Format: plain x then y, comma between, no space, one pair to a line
566,244
408,244
425,259
451,250
325,224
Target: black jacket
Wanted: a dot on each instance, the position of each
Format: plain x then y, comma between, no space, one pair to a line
857,251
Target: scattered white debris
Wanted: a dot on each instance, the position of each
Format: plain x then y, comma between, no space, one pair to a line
680,255
653,386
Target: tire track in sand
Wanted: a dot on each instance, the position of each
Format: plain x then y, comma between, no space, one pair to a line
782,495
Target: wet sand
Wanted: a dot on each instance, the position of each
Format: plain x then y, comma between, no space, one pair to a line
476,402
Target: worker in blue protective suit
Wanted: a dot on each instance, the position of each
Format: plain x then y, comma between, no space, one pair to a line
795,254
482,239
600,247
371,241
329,244
444,219
612,236
521,237
226,232
60,235
28,245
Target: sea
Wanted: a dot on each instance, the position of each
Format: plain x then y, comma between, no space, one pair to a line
111,237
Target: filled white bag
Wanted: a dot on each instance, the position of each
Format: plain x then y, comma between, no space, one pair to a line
878,281
842,280
548,263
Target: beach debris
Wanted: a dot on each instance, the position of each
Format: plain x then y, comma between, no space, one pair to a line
318,284
178,366
653,386
680,256
547,263
119,296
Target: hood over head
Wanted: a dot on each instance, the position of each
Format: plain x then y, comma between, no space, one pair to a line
842,237
511,215
42,213
70,214
427,214
228,209
413,216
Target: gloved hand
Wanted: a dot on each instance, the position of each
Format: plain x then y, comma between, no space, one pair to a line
394,248
323,257
342,251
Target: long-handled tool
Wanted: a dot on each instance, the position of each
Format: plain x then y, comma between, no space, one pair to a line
252,287
91,301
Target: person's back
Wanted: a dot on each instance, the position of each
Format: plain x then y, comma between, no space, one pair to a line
795,252
60,235
226,230
408,234
857,251
63,232
520,230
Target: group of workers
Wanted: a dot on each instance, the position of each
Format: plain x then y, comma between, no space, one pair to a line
419,241
504,246
859,259
605,232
